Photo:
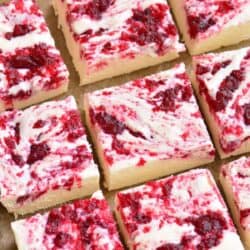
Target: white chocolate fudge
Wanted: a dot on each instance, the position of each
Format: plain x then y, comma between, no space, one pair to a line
222,85
31,68
147,128
184,212
107,38
81,225
45,158
235,179
210,24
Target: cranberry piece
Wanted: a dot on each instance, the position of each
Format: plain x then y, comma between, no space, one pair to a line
73,121
218,66
228,86
18,159
17,132
142,218
247,114
69,213
53,222
144,27
130,200
167,188
38,56
170,246
12,76
109,124
199,24
19,30
39,124
10,142
224,7
210,227
201,70
38,152
244,214
22,199
23,62
62,239
94,8
118,146
167,100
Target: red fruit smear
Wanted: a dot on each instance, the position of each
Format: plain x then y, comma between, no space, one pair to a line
142,218
144,27
201,70
199,24
219,66
94,9
119,147
17,132
39,124
32,58
55,219
110,125
244,214
62,239
86,223
227,87
167,188
38,152
247,114
168,98
18,159
225,92
19,30
224,7
210,227
22,199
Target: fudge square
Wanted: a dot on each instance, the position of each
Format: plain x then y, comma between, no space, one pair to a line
222,85
45,158
31,68
180,212
235,179
208,25
147,128
81,225
107,38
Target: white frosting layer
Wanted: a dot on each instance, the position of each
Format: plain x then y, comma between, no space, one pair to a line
238,175
229,120
232,13
114,23
168,134
169,212
16,180
13,18
31,233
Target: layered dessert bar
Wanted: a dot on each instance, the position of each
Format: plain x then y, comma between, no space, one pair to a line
107,38
183,212
147,128
235,179
81,225
222,85
207,25
31,68
45,158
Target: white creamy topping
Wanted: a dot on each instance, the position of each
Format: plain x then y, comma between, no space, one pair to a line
114,18
240,96
61,150
164,131
187,199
